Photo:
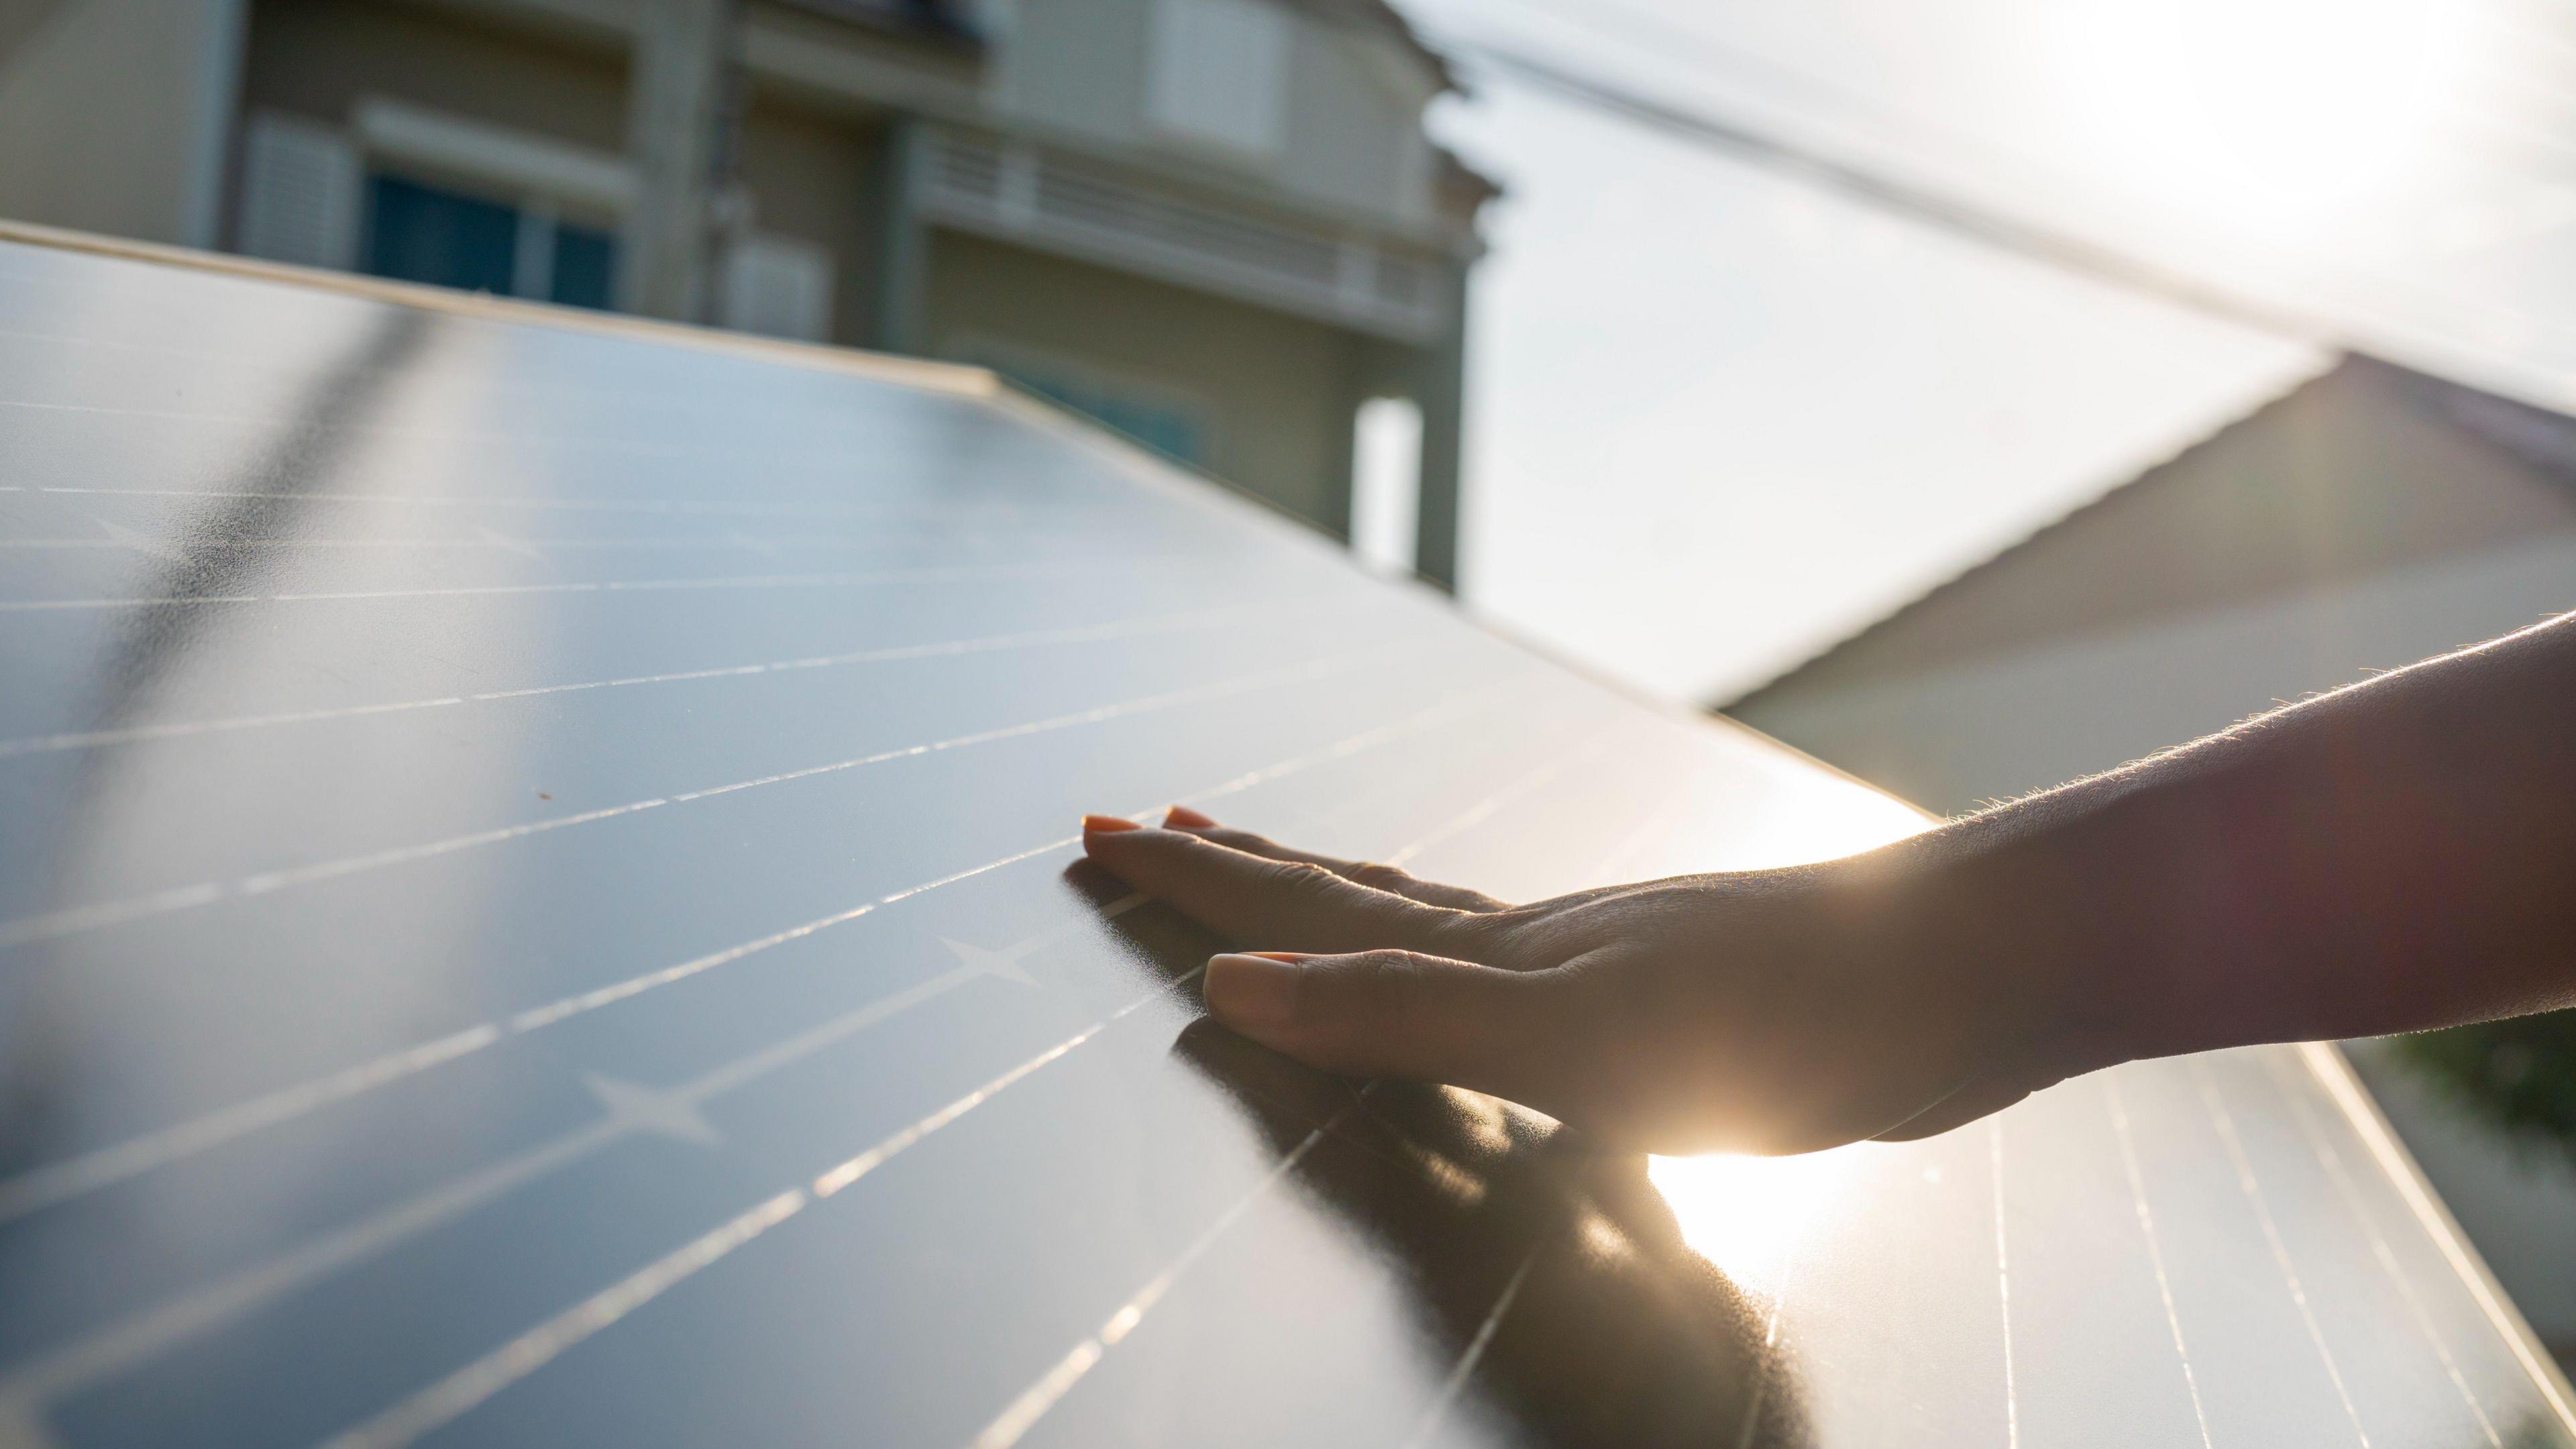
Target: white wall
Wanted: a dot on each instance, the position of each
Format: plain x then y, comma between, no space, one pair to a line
115,117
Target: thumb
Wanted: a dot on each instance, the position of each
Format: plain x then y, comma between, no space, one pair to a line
1387,1014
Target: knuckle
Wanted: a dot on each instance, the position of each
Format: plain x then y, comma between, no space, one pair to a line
1389,967
1382,877
1586,1004
1307,881
1389,984
1483,934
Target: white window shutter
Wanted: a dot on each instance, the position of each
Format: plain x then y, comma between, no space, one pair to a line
300,193
779,287
1218,71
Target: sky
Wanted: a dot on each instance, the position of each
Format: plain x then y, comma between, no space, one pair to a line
1722,416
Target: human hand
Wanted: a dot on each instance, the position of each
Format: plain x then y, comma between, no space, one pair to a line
1764,1011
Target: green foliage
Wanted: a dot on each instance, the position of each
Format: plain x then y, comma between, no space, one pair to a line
2520,1074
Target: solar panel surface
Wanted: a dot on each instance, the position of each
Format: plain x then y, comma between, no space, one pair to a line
540,905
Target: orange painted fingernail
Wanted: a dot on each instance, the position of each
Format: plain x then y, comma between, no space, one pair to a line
1185,816
1107,824
1253,989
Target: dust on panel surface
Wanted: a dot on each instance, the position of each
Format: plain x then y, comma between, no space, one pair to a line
539,905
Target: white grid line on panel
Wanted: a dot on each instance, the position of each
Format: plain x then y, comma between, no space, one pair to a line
469,1386
1484,810
1456,1382
2155,1246
461,1391
1634,842
629,1110
1628,844
734,409
482,316
2350,1193
1767,1367
486,539
2245,1179
1023,1413
179,729
42,1187
2336,1076
2003,1282
76,920
482,1377
658,507
728,450
1090,564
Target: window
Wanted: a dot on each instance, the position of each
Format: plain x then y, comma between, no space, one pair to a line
1218,72
585,267
420,233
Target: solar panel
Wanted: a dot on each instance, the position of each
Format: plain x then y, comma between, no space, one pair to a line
541,905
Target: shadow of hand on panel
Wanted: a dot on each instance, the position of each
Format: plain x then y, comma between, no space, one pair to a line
1615,1332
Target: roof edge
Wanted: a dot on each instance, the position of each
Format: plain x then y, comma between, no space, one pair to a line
951,377
2227,424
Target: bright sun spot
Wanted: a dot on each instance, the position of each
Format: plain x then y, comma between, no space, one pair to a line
1747,1215
1837,821
2273,113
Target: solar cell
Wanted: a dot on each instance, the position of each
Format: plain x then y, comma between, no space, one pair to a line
541,904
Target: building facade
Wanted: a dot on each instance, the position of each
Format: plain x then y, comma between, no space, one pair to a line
1216,225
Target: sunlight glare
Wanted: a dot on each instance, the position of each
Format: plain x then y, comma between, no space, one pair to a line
1840,820
2274,114
1796,815
1748,1215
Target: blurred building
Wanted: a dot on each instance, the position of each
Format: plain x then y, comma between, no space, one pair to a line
1214,224
2365,520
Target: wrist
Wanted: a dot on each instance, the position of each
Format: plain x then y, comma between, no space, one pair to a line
2058,972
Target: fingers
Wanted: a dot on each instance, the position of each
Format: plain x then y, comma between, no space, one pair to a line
1430,893
1396,1014
1292,904
1367,873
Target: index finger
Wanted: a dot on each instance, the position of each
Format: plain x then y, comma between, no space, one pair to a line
1281,905
1368,873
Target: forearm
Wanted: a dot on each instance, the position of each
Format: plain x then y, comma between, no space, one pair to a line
2391,857
2398,855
